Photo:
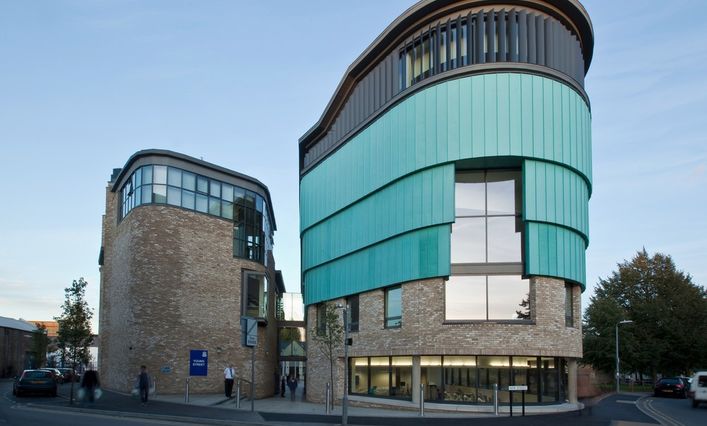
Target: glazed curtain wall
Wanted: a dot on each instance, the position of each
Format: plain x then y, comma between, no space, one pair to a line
483,116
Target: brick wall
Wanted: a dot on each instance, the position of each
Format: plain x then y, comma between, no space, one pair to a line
424,331
169,284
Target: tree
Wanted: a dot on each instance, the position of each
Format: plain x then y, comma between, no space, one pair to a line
669,314
329,336
524,313
40,343
74,335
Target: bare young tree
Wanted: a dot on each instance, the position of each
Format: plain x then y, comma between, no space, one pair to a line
329,337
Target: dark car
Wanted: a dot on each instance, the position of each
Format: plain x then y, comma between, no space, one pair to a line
68,374
670,386
35,381
56,373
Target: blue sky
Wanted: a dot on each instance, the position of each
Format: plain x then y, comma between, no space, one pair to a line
85,84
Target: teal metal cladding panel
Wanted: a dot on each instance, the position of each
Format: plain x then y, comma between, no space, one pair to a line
555,194
475,117
481,116
554,251
423,253
416,201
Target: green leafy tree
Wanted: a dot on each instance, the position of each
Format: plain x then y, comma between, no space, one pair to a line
329,337
74,335
40,343
669,313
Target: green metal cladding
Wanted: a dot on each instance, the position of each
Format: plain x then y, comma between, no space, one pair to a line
392,184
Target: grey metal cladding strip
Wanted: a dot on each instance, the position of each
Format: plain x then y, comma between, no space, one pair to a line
502,37
513,20
459,41
540,44
480,31
469,41
522,36
532,40
490,37
448,46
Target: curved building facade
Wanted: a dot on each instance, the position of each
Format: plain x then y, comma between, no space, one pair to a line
186,252
444,198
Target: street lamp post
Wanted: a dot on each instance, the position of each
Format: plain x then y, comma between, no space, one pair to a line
618,377
345,401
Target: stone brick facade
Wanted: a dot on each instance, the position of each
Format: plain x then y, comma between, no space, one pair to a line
170,283
425,332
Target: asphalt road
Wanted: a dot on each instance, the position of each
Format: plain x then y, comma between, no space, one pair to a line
675,411
116,409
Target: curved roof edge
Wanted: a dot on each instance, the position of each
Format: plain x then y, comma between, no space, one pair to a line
571,8
167,153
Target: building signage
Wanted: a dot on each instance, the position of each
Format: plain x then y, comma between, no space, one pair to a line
518,388
198,362
249,331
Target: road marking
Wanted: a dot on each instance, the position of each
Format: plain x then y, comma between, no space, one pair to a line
625,401
645,404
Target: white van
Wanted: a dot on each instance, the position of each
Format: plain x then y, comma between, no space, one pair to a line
698,388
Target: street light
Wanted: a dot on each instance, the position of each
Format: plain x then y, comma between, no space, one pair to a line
617,352
345,402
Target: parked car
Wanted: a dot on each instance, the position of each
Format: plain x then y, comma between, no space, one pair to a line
55,373
68,374
670,386
698,388
35,381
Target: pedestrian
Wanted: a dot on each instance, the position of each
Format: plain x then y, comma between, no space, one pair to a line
283,385
292,384
89,383
143,384
229,375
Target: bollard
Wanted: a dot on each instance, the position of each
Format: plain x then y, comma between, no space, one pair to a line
186,391
154,386
328,398
422,400
238,394
495,399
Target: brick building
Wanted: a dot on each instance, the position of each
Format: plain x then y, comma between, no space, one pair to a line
444,198
16,352
186,252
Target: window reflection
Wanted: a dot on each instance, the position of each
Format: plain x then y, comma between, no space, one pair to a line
393,307
468,242
482,297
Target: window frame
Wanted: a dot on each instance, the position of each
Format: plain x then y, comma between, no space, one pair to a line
263,304
388,319
569,305
354,309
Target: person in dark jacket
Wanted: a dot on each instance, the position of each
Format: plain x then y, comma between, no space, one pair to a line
292,384
89,383
283,385
143,384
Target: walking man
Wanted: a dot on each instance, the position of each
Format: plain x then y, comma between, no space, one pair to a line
292,384
143,382
229,374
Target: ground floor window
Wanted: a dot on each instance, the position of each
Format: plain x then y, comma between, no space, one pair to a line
461,379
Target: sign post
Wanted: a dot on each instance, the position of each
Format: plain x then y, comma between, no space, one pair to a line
521,388
249,336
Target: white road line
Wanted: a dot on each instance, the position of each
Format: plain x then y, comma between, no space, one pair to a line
645,404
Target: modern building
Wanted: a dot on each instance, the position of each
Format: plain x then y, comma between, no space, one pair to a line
443,197
186,253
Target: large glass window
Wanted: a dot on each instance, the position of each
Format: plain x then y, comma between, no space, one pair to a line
393,307
486,297
488,225
255,295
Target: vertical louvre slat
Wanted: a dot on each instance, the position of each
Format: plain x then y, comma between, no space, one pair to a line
522,36
469,40
490,37
447,45
532,40
502,37
540,43
459,41
438,45
549,44
513,22
480,35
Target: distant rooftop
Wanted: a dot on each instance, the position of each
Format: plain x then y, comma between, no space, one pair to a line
6,322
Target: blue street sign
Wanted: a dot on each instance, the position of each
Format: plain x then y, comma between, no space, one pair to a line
198,362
